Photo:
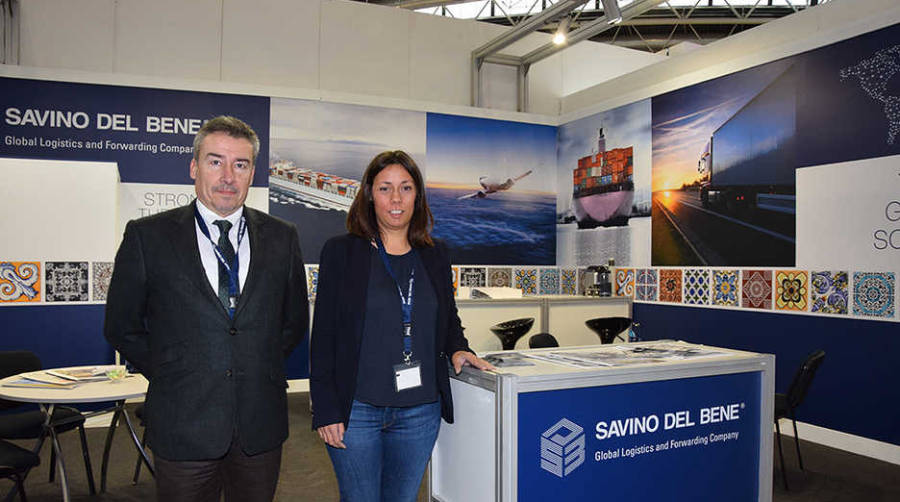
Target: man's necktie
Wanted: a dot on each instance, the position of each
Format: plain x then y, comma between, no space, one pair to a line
228,253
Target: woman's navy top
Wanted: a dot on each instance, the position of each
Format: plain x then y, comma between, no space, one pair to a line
382,339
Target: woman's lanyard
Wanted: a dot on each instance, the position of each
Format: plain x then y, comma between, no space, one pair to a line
406,302
233,281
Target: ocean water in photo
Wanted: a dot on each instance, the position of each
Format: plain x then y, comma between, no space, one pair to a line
506,228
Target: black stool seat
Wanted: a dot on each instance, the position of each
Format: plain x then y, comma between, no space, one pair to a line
509,332
542,340
607,328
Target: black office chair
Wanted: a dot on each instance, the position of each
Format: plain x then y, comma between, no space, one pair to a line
15,462
30,424
785,404
542,340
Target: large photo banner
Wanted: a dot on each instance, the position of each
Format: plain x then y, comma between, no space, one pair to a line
319,152
492,189
727,154
603,204
724,155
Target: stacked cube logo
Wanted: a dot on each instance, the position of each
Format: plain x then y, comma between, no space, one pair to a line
562,448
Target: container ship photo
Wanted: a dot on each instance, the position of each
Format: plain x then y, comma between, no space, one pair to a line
603,186
333,192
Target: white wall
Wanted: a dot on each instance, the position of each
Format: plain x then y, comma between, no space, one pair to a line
326,45
64,210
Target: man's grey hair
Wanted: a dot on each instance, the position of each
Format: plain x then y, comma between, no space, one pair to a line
234,127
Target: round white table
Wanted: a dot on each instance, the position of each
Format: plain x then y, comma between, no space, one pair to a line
87,392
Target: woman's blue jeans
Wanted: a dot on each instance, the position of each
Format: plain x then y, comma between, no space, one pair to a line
387,451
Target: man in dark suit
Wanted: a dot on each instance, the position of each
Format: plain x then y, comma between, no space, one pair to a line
207,301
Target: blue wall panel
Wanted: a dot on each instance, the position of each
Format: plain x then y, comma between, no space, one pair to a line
856,389
70,335
61,335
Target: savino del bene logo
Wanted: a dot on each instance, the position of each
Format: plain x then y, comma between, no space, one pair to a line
562,448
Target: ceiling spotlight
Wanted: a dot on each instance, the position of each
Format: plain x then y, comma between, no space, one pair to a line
612,12
562,31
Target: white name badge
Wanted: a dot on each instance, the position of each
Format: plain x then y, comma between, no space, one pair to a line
407,376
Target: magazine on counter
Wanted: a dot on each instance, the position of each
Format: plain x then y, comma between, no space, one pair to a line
41,380
28,383
85,374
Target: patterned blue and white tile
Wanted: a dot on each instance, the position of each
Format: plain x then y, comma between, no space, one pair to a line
726,288
873,294
549,281
696,286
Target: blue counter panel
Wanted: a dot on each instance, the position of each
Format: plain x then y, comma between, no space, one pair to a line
855,390
685,439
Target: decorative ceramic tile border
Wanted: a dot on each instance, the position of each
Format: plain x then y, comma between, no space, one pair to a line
791,290
873,294
526,280
670,285
101,274
756,289
726,287
549,281
500,277
829,293
20,281
696,286
66,281
568,281
646,285
624,285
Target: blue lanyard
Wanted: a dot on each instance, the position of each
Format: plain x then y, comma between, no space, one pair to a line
232,270
406,302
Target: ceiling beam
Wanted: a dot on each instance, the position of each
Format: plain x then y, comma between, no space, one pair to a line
526,27
589,30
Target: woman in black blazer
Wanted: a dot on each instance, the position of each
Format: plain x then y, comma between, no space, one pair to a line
384,329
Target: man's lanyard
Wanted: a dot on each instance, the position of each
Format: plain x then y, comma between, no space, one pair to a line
233,283
406,302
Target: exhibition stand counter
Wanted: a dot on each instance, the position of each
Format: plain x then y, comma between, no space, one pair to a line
661,420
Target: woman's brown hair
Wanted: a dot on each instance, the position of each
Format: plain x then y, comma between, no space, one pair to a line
361,217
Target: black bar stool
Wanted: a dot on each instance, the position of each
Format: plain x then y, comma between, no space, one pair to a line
608,328
509,332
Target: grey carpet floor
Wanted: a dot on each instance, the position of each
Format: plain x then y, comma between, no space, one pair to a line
831,475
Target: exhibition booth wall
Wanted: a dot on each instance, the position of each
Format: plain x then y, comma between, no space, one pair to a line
808,262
